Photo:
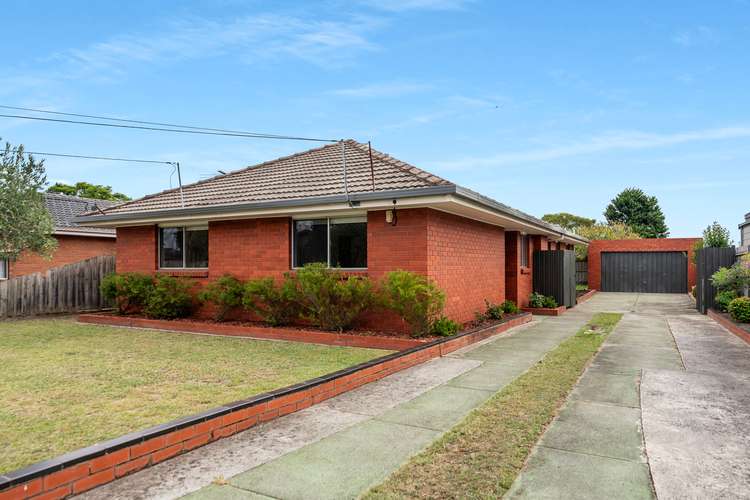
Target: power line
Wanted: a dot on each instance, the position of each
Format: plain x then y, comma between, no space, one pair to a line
157,126
65,155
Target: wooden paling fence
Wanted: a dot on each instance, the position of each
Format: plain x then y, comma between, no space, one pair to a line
66,289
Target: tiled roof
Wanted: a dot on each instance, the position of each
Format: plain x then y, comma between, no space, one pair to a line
314,173
64,208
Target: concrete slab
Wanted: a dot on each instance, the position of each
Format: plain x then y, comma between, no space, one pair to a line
603,387
338,466
225,492
631,359
491,376
597,429
556,474
438,409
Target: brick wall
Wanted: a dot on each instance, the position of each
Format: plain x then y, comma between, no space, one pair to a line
596,247
518,280
249,248
466,258
136,249
70,249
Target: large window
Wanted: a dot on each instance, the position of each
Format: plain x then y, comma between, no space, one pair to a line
524,250
183,247
4,267
335,242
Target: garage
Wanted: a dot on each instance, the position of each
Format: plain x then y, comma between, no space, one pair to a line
644,272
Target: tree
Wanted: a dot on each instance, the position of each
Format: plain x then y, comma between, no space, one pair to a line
87,190
638,210
601,231
715,235
25,223
568,221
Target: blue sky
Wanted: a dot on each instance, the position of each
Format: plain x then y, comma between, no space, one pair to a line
546,106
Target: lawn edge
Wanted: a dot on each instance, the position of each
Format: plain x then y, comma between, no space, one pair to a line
91,466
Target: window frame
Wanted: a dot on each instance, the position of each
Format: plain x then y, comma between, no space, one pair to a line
184,248
524,260
352,218
6,264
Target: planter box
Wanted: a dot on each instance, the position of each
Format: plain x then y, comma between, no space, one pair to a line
742,330
586,296
86,468
545,311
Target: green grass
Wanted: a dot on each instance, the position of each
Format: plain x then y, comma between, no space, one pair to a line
64,385
581,287
481,456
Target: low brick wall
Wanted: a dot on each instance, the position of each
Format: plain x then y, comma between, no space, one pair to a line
87,468
729,325
545,311
257,332
586,296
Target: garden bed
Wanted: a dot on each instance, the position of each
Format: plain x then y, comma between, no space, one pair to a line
545,311
584,295
368,340
86,468
742,330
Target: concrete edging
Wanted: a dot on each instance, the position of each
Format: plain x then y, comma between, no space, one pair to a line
729,325
92,466
586,296
545,311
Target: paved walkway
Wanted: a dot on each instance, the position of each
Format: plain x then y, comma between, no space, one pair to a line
666,398
342,447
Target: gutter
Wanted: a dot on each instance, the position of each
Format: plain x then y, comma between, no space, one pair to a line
350,198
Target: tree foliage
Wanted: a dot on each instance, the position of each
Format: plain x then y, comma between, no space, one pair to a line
716,235
601,231
25,223
568,221
87,190
638,210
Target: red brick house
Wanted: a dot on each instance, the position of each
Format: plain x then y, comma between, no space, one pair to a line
342,204
75,242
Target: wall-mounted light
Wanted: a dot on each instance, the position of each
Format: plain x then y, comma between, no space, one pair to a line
391,217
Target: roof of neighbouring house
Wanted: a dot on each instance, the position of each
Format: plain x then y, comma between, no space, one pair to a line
312,176
64,208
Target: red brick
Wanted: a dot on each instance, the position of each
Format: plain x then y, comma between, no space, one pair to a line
24,490
225,431
66,475
197,441
180,435
246,424
110,460
147,447
132,466
161,455
93,481
61,492
70,249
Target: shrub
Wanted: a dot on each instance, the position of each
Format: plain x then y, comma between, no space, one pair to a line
445,327
734,278
739,309
493,311
224,293
550,302
129,291
276,304
413,297
509,307
722,300
537,300
329,300
169,299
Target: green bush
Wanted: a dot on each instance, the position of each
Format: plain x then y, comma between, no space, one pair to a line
129,291
224,293
509,307
722,300
734,278
413,297
537,301
329,300
276,304
550,302
169,299
493,311
739,309
445,327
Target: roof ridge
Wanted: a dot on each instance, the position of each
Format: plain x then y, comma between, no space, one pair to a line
401,165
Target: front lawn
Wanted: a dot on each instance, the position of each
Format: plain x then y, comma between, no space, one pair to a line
482,455
65,385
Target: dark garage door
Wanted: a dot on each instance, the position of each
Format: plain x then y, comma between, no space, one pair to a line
644,272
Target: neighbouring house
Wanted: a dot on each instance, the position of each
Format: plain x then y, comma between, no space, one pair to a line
75,242
342,204
744,236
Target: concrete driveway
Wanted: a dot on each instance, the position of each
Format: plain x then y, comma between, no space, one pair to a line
662,410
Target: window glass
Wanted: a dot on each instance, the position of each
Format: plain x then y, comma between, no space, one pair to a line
524,250
196,247
171,247
310,242
348,243
3,269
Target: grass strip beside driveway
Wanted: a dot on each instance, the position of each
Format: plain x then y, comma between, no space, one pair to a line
482,455
65,385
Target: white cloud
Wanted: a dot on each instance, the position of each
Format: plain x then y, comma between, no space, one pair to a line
696,36
386,89
404,5
634,140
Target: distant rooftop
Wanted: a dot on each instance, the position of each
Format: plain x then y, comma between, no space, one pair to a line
64,208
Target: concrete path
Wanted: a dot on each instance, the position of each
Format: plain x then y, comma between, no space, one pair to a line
342,447
666,398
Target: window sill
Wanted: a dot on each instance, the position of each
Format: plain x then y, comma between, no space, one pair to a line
189,273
